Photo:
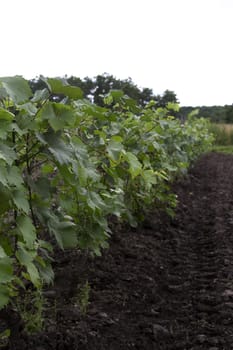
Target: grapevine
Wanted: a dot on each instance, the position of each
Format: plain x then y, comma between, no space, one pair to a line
68,166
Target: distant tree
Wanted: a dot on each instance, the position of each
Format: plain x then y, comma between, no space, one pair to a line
95,88
229,114
86,85
105,82
216,114
146,95
101,84
167,96
37,84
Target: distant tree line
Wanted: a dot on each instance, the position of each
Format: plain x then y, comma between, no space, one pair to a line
217,114
94,89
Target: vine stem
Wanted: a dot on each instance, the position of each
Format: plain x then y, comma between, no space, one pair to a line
15,210
28,186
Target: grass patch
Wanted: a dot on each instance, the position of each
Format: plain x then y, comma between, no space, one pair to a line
223,149
223,134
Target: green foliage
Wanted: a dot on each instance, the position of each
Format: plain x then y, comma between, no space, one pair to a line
67,166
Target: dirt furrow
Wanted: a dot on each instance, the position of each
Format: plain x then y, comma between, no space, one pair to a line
206,256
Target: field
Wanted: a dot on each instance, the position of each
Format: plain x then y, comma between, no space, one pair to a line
223,149
165,285
223,134
227,127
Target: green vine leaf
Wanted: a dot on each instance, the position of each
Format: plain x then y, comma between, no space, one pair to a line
4,295
23,255
17,88
115,148
14,176
135,167
5,202
27,229
6,270
33,273
7,154
59,149
58,115
20,200
59,86
6,119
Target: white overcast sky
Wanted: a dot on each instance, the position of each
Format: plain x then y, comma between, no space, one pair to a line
181,45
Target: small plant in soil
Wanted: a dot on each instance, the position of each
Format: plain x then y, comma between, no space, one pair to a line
83,297
31,309
4,338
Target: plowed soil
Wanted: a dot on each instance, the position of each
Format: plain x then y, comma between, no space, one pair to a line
167,285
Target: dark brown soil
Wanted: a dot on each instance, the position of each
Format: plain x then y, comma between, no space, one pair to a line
167,285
